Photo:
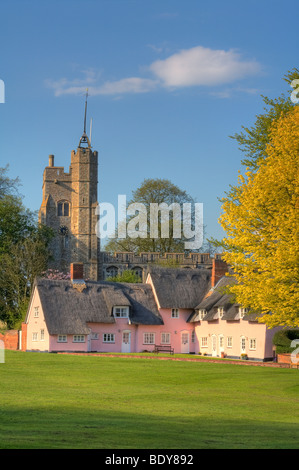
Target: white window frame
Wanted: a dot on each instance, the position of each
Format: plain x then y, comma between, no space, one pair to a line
34,336
42,334
62,339
204,342
121,311
94,335
165,338
220,311
78,338
36,312
252,344
242,311
148,338
108,337
229,341
202,313
175,313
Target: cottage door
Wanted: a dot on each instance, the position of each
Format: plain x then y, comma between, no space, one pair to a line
214,345
126,342
243,345
185,342
221,343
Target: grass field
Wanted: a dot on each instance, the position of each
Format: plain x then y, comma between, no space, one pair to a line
58,401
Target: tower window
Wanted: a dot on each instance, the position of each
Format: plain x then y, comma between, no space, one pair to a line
63,209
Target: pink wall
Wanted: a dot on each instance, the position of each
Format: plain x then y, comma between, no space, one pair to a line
118,328
259,347
180,335
35,326
56,346
176,327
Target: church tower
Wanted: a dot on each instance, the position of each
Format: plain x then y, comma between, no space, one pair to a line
69,208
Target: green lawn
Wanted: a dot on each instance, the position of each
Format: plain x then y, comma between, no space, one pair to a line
59,401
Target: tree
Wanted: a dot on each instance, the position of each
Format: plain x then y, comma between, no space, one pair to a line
260,218
55,275
253,141
24,251
19,267
8,185
126,276
16,222
155,191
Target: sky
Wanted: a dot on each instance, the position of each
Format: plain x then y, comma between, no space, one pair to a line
169,82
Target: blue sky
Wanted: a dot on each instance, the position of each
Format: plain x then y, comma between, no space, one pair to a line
169,82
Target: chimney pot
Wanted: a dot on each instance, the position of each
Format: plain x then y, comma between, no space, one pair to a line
77,271
51,160
219,268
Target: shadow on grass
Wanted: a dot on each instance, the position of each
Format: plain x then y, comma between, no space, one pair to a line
39,428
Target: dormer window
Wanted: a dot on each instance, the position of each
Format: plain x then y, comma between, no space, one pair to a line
220,311
121,312
174,313
201,314
242,311
63,209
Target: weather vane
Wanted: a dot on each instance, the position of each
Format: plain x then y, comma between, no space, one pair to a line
84,139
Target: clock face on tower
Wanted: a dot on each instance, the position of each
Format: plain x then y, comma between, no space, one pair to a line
63,230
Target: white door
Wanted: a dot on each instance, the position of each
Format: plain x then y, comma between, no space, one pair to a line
243,345
214,345
221,344
185,342
126,342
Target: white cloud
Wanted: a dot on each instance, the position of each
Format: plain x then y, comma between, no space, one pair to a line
126,85
198,66
119,87
75,86
201,66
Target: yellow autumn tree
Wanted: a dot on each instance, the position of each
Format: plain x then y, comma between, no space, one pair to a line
261,220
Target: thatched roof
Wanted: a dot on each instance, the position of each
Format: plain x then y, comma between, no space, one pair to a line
219,298
180,288
67,310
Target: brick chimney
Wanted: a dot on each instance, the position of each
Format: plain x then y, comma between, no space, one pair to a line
77,272
219,268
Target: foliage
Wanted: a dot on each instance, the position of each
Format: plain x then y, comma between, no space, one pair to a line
282,340
253,141
8,185
16,223
126,276
55,275
24,252
260,218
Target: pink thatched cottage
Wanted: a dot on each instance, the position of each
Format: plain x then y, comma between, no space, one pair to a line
185,309
226,329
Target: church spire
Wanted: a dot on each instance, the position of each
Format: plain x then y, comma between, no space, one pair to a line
84,141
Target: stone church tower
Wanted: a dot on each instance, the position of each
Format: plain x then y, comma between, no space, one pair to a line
69,208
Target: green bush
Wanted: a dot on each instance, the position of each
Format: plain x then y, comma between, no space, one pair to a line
282,340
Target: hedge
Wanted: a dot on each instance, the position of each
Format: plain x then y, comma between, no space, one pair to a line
282,340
